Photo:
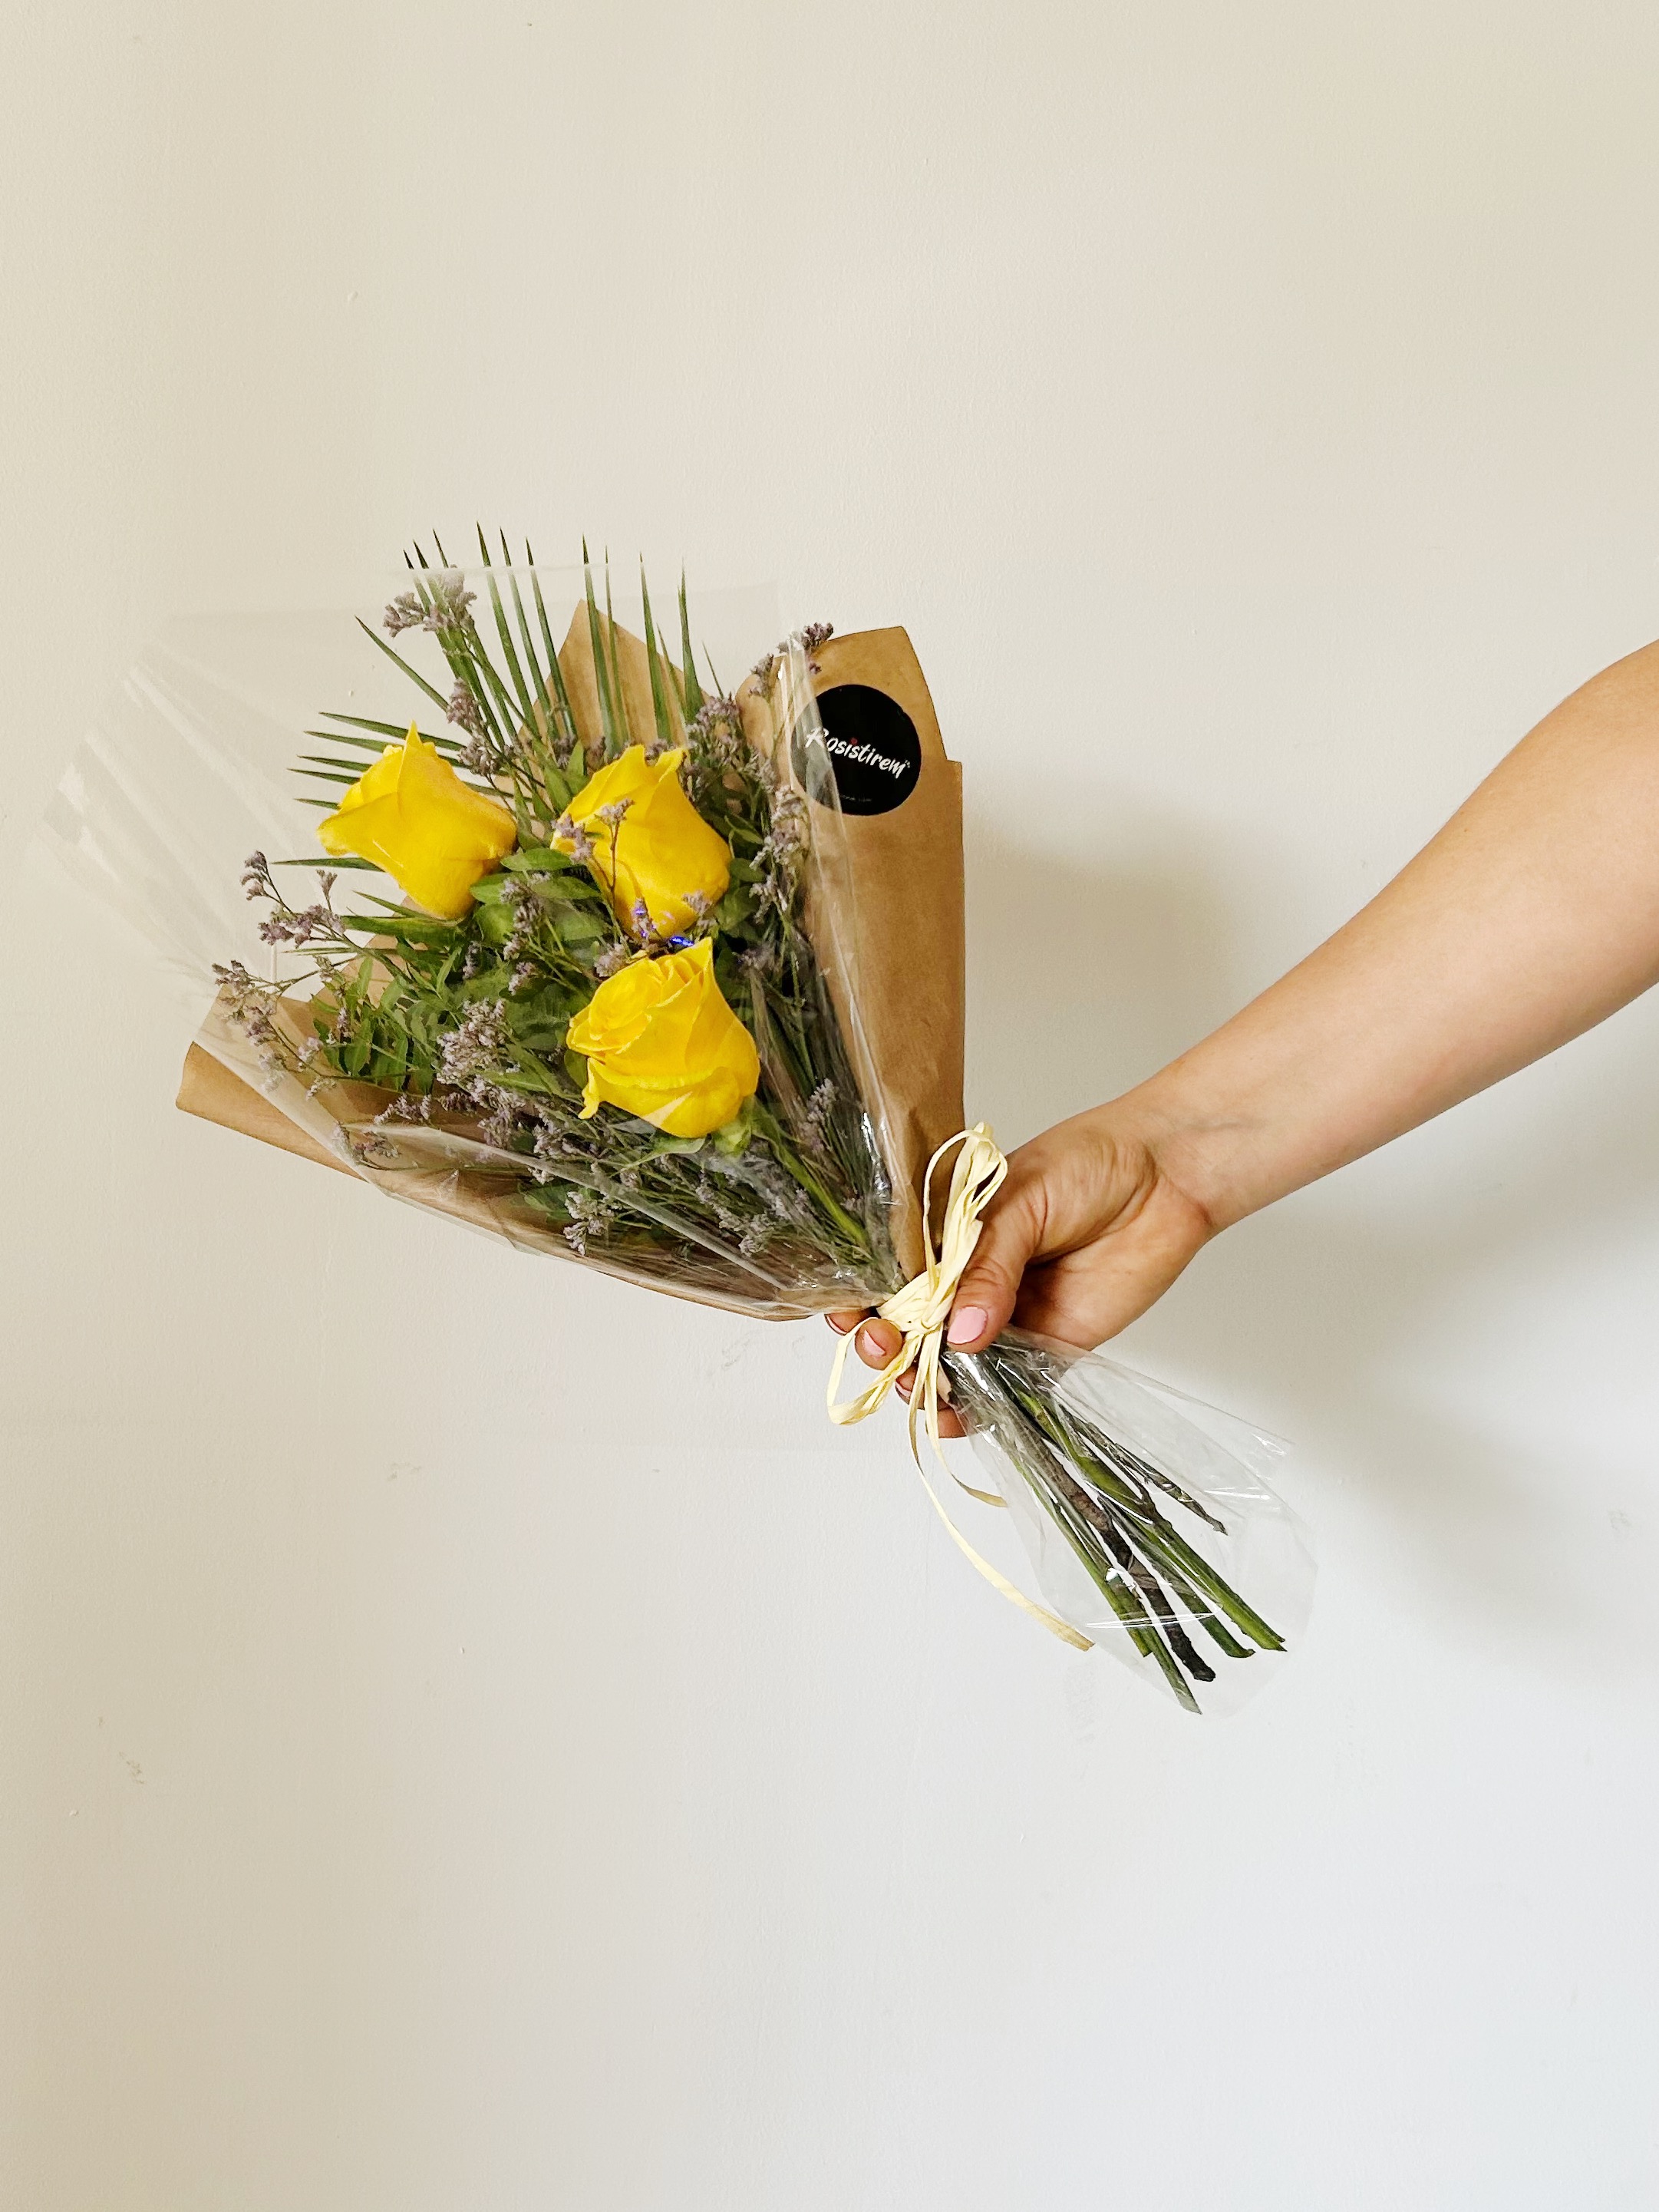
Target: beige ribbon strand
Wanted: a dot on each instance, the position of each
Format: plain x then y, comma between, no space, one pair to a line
920,1312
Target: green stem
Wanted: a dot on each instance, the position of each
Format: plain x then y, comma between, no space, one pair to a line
793,1165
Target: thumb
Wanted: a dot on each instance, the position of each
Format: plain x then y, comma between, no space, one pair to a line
984,1302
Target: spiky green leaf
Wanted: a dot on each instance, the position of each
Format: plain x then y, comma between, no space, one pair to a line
659,710
601,675
413,674
625,736
688,659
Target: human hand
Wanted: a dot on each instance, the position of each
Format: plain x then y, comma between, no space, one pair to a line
1089,1229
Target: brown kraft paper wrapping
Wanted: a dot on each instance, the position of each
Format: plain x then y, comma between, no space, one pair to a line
892,897
886,920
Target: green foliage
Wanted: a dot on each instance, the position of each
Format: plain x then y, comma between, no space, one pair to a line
463,1024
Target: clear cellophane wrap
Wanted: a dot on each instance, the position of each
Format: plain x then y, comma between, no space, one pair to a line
1146,1518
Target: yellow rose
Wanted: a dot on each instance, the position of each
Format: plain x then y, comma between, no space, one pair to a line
660,1041
412,816
659,853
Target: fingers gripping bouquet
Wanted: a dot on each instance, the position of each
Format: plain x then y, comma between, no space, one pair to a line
670,983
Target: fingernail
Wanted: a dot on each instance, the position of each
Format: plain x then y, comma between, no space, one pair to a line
966,1324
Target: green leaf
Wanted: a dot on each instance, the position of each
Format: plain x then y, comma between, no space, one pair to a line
390,1063
567,718
489,982
526,703
328,860
472,666
551,1199
398,731
339,737
413,674
397,908
688,659
664,1146
546,725
538,859
353,771
576,889
335,761
734,1137
618,693
601,676
544,1032
345,777
463,649
664,719
426,932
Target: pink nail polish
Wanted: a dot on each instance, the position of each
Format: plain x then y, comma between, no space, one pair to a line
967,1323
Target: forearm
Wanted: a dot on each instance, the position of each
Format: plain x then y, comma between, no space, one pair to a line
1532,915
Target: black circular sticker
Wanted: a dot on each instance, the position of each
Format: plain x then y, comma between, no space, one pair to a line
873,748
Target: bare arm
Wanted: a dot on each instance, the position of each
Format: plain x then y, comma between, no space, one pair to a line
1532,915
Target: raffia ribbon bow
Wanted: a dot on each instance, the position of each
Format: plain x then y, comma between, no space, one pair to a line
920,1311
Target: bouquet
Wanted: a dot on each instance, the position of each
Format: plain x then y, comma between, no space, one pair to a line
666,979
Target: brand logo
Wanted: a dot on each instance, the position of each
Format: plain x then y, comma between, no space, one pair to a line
873,748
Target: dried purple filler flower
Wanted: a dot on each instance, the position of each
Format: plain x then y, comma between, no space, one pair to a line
481,1043
464,711
818,1108
289,927
450,601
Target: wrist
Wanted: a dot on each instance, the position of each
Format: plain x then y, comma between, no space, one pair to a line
1203,1150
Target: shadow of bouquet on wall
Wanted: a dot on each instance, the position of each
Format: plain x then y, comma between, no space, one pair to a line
1326,1323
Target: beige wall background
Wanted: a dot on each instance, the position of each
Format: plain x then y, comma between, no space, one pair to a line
520,1757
